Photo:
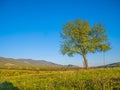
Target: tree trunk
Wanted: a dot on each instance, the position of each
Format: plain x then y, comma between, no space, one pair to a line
85,61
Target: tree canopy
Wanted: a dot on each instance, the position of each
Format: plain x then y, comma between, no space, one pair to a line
80,38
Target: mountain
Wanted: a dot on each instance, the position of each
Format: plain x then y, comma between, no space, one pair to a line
24,62
117,64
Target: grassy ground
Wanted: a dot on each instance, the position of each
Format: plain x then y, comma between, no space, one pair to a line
92,79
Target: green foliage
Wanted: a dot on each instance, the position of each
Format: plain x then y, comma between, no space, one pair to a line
79,37
92,79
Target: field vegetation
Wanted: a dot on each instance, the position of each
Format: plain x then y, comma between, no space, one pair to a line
67,79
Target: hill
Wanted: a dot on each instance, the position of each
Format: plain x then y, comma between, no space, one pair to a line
117,64
28,63
5,62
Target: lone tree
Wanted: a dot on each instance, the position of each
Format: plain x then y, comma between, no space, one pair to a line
79,38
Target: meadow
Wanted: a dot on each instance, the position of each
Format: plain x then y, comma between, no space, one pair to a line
79,79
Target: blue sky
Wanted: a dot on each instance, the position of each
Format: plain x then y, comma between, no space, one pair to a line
31,28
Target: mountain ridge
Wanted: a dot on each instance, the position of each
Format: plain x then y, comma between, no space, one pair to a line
111,65
11,62
25,62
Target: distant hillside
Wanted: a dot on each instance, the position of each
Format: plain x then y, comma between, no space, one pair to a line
117,64
24,62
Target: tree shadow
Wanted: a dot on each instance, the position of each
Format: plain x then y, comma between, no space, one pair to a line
8,86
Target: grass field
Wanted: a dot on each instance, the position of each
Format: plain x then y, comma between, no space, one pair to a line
91,79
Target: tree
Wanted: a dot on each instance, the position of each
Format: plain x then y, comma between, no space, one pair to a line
79,38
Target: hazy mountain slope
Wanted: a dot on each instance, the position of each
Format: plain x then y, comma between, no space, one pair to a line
114,65
117,64
24,62
5,62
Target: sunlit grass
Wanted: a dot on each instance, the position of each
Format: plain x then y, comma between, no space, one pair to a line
92,79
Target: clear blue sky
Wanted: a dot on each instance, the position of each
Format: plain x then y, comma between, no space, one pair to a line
30,28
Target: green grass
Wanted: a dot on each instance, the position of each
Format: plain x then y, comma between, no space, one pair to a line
92,79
